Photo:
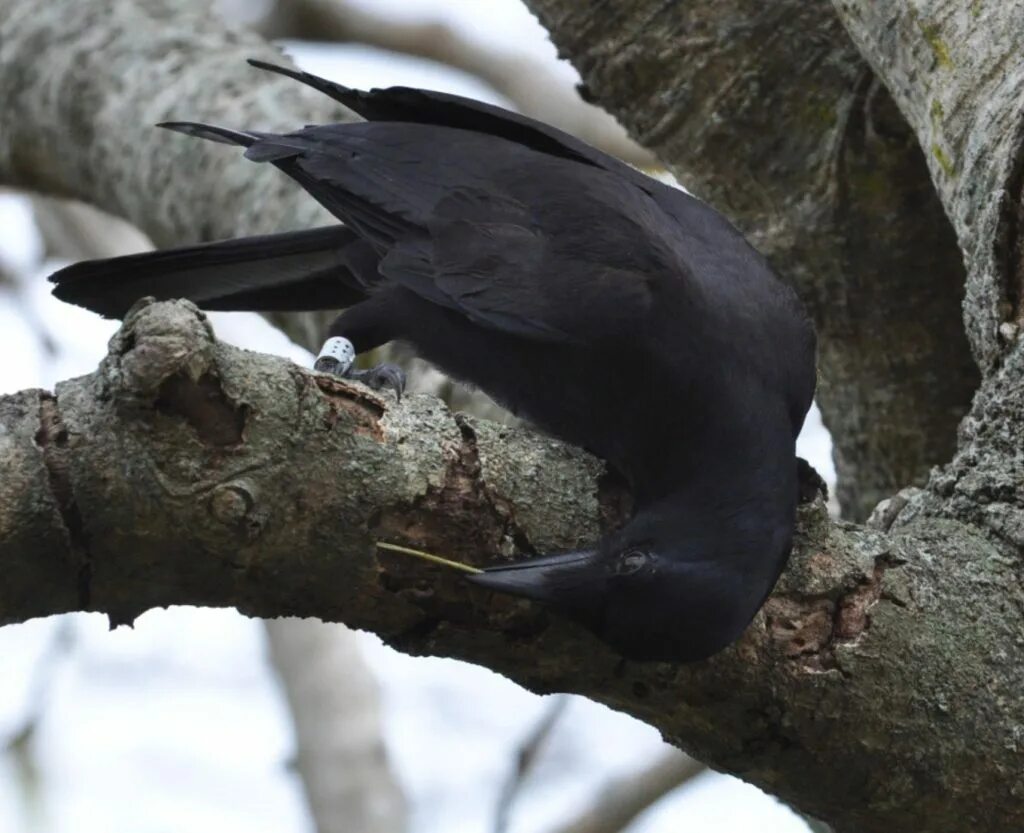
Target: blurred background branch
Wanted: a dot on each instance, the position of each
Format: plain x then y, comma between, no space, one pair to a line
524,759
335,710
623,800
532,87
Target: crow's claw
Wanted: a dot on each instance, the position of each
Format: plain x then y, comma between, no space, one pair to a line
380,377
809,482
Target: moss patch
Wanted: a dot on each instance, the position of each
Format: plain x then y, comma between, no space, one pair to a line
943,159
938,45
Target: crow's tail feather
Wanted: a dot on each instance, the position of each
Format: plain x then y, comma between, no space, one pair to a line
224,135
346,95
321,268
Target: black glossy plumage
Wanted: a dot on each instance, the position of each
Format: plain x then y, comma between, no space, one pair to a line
613,311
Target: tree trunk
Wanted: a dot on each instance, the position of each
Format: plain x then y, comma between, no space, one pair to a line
767,111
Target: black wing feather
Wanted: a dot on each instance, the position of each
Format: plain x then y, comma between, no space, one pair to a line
454,220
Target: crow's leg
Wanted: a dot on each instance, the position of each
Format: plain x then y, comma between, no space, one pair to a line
358,329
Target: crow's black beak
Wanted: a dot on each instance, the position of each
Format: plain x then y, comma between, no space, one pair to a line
573,582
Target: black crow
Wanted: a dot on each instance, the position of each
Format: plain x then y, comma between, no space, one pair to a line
613,311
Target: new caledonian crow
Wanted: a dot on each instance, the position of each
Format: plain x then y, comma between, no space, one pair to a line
611,310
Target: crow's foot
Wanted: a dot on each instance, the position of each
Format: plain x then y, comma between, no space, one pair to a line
337,357
809,482
380,377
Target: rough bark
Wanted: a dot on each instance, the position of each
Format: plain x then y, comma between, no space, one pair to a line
879,688
768,112
955,71
880,681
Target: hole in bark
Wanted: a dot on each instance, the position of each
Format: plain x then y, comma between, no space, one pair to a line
203,405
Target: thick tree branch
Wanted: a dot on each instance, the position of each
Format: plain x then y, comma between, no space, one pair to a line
188,472
80,119
955,71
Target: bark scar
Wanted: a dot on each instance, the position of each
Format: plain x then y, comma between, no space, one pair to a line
459,511
203,404
807,629
501,508
363,408
52,440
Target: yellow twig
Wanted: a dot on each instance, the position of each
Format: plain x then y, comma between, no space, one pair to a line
426,556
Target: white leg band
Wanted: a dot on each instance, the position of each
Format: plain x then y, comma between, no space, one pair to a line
339,351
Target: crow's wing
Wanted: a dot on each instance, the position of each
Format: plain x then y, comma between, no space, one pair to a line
508,236
429,107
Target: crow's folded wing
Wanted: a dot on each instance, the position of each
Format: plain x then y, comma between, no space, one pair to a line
429,107
529,244
503,269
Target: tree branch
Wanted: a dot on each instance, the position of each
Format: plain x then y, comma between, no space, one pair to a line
526,755
622,800
79,121
332,695
189,472
955,72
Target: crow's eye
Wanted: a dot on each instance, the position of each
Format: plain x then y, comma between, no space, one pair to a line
631,561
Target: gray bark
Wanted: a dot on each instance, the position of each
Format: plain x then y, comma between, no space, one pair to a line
955,71
879,688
